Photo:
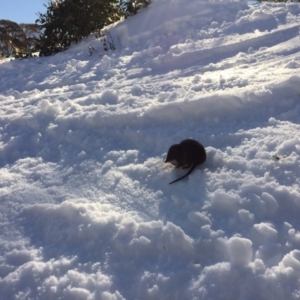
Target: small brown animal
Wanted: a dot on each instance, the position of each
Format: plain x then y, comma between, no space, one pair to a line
189,153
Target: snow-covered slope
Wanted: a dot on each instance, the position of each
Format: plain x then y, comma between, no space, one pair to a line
86,208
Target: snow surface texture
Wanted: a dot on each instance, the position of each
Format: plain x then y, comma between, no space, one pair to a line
86,208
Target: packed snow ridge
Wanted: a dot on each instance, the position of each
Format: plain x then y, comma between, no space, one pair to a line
86,208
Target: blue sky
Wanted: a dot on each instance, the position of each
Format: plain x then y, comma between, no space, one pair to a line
21,11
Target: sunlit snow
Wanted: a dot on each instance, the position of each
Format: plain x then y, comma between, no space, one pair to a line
87,211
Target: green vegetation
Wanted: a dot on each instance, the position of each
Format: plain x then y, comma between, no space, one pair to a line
68,21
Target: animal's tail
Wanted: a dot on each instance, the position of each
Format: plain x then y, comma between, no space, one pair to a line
187,174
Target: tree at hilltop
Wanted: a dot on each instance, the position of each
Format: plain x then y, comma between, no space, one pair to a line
68,21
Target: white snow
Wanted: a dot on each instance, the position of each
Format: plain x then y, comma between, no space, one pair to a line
87,211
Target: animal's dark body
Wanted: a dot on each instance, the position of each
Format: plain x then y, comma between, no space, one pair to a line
189,153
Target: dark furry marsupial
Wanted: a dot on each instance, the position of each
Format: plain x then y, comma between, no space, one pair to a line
189,153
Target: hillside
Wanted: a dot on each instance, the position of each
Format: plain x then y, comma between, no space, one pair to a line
87,211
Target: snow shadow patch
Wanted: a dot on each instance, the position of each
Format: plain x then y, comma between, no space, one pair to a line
122,244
